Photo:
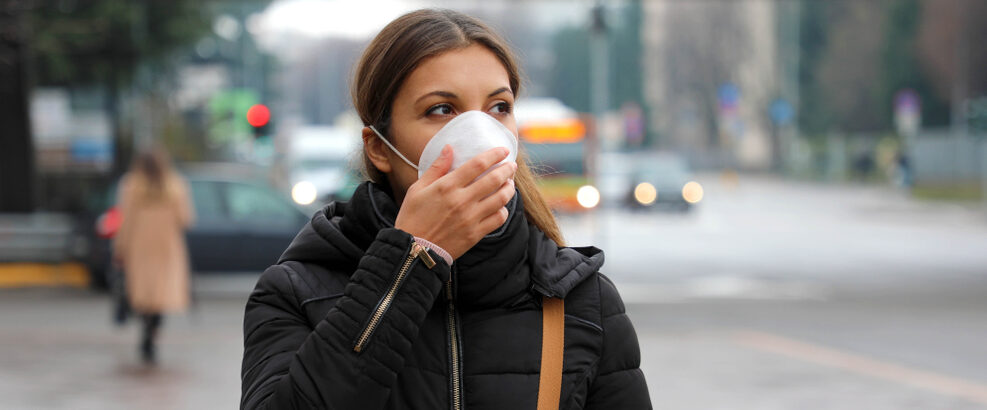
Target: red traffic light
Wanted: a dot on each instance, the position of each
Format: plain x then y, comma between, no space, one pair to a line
258,115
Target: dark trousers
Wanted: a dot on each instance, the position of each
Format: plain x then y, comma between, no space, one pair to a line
151,322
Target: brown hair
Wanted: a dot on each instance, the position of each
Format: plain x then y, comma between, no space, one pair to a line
151,170
396,52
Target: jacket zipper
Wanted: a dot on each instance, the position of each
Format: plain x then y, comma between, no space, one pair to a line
456,373
417,251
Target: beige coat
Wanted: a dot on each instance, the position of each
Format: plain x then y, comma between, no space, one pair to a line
151,243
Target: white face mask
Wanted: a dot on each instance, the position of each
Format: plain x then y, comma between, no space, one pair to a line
469,134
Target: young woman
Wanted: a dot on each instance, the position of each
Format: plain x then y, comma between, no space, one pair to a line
155,209
425,290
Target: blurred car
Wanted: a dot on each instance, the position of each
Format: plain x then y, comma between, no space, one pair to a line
319,164
243,223
647,180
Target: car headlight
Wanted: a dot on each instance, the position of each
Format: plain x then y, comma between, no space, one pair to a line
304,193
645,193
692,192
588,196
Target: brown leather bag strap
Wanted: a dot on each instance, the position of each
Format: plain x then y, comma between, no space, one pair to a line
552,346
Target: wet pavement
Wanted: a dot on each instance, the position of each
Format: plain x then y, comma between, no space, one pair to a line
834,298
62,352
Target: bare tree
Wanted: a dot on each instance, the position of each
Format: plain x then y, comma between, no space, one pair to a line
851,66
706,42
951,47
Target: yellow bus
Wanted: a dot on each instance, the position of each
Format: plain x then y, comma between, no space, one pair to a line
554,137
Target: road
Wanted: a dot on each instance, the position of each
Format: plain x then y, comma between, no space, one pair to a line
771,295
779,295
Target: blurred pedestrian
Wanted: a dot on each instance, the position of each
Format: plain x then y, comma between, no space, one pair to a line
443,282
903,169
155,209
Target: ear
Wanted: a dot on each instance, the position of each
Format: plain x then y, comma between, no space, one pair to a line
376,150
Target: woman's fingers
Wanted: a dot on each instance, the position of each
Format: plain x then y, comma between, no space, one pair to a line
493,221
496,200
439,167
489,183
475,205
467,173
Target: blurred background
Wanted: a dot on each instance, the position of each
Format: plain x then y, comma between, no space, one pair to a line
792,194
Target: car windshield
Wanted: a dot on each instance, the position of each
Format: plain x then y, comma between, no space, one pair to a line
615,166
663,168
248,202
206,199
317,164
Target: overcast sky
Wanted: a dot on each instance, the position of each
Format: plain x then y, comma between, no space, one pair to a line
361,19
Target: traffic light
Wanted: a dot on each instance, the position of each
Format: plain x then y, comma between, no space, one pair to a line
259,117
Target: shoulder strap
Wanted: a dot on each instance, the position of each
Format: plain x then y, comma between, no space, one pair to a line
552,342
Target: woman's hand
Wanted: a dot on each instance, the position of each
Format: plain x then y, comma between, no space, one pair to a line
456,210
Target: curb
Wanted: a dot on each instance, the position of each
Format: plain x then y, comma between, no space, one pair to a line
22,275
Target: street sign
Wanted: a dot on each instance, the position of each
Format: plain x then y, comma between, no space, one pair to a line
781,112
731,123
907,112
633,124
729,97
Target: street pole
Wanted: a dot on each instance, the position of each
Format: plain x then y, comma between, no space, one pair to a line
600,64
17,183
600,88
143,118
960,83
792,133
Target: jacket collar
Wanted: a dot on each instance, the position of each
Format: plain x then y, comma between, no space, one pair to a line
505,268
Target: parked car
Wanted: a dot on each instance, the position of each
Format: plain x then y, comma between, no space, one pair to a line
242,222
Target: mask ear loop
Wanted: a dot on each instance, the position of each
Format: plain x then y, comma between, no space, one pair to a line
392,147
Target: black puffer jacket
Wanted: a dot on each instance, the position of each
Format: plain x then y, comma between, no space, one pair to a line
350,319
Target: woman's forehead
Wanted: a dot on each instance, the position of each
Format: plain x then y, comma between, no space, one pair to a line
469,70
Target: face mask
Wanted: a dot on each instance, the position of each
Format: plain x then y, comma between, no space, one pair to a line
469,134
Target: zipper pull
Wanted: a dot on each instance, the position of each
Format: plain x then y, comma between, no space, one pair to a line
417,251
452,272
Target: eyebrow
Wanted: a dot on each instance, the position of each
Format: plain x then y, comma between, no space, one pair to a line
498,91
447,94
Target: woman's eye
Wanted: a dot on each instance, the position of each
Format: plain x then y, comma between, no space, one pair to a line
441,109
501,108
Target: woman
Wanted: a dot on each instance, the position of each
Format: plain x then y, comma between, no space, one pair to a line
425,290
150,244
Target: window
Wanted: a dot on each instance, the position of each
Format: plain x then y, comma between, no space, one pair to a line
258,204
207,200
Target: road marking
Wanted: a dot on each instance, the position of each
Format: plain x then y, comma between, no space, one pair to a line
13,275
719,287
939,383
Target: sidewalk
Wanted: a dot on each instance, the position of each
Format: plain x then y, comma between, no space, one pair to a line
38,249
61,351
